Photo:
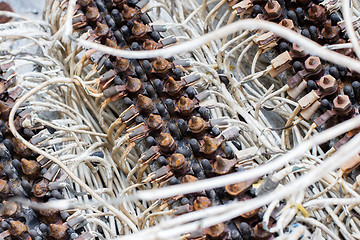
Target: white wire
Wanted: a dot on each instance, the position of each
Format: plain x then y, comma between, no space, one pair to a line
252,173
308,45
349,26
217,214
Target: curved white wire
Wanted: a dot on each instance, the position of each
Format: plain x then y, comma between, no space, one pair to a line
251,173
308,45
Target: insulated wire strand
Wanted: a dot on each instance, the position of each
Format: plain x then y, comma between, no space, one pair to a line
250,24
252,173
54,159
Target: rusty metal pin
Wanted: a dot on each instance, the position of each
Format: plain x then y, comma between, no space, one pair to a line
201,202
172,86
150,45
313,64
297,51
236,188
92,13
167,142
342,103
154,121
328,84
40,188
9,209
133,85
176,161
18,229
30,167
251,213
216,231
129,12
145,103
52,215
317,13
272,9
260,233
211,144
111,43
188,179
180,166
330,33
122,64
185,105
270,4
222,165
288,23
102,29
58,231
138,29
4,187
196,124
161,65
